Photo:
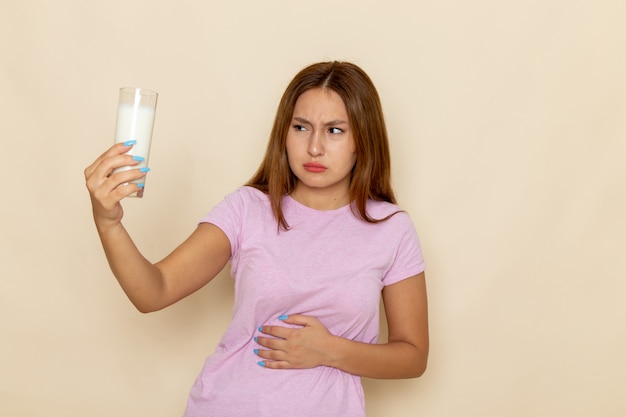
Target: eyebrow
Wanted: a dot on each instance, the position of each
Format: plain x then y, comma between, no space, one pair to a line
330,123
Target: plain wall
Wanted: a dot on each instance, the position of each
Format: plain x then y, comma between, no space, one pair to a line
508,142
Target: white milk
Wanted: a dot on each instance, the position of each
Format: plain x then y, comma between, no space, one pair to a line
135,122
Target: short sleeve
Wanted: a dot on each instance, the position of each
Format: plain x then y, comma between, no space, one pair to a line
228,216
408,260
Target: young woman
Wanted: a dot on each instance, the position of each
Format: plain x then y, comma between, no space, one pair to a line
313,239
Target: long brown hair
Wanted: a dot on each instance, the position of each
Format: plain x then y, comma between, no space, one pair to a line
371,175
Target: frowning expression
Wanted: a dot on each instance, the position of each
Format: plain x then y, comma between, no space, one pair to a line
320,145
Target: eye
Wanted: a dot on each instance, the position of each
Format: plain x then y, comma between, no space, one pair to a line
335,130
299,128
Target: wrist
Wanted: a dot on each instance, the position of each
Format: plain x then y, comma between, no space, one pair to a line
335,351
107,227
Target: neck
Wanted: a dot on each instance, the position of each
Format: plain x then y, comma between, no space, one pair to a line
320,199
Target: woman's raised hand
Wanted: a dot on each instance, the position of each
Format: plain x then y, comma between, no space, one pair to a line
106,188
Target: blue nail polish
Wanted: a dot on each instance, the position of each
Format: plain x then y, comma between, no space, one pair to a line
144,169
256,351
256,339
130,142
261,363
284,317
260,328
140,185
138,158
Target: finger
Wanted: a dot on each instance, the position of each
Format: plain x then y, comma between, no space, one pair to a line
98,175
126,175
115,185
104,179
116,149
271,343
107,195
299,320
127,189
112,164
276,364
272,355
276,331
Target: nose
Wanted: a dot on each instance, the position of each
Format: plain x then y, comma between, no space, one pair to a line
316,145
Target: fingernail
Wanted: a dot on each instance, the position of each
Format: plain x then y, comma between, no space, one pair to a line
138,158
261,363
256,351
256,339
260,328
130,142
144,169
140,185
284,317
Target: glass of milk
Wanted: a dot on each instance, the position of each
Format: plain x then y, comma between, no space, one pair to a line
135,120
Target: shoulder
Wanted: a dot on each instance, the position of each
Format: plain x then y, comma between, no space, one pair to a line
382,209
245,208
394,220
247,195
238,203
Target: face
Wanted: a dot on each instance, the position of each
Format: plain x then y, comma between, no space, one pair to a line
320,148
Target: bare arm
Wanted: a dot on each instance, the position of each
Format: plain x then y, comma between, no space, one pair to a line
404,355
150,287
406,352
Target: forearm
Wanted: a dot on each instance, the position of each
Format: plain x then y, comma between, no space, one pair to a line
140,279
311,344
395,359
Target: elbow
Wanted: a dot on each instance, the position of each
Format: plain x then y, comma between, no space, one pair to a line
143,309
415,371
145,303
143,306
419,365
146,307
411,363
419,370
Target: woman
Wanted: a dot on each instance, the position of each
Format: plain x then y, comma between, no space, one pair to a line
314,238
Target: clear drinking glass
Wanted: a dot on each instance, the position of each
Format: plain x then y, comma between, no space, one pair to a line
135,121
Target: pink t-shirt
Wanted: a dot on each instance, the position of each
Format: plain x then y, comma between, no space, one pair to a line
330,265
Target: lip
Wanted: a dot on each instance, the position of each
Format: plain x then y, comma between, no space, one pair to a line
314,167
